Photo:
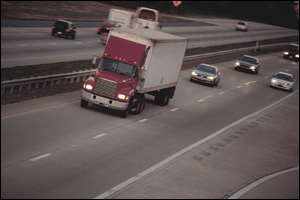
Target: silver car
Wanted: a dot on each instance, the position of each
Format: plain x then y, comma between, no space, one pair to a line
242,26
206,74
283,80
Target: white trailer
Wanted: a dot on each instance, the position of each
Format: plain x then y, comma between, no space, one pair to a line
123,17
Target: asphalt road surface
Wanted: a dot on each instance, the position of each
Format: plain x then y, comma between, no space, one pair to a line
21,46
209,142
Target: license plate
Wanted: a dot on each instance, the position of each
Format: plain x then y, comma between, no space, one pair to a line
59,33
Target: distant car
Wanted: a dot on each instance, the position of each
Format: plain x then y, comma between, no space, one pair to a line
248,63
65,28
107,25
206,74
291,52
242,26
283,80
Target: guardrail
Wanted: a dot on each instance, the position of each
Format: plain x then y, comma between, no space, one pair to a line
36,82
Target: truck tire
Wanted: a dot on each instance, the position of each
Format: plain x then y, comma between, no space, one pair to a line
125,113
84,103
163,98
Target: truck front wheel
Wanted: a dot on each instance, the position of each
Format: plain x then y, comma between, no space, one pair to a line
125,113
84,103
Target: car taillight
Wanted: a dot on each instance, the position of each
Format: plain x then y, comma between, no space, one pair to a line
98,30
67,30
53,27
245,26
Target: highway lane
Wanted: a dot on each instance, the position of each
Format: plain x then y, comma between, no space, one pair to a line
52,148
22,46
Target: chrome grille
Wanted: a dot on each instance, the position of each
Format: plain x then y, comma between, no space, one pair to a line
106,87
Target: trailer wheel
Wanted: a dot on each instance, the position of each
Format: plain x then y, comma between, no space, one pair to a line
163,98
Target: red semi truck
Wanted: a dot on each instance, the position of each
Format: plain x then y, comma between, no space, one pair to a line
135,62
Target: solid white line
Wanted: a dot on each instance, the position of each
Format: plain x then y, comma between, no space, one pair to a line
246,189
100,135
172,158
222,93
174,109
238,86
22,45
201,100
52,43
142,120
40,157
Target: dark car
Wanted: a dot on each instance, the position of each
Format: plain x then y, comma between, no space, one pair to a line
106,26
206,74
64,28
248,63
291,52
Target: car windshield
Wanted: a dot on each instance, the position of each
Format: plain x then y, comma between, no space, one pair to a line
117,67
284,77
207,69
241,23
249,60
147,14
293,48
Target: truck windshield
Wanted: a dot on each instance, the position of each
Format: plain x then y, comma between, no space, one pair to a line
117,67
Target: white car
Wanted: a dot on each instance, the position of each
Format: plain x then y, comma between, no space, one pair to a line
242,26
283,80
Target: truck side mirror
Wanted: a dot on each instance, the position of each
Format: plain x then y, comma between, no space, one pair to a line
95,58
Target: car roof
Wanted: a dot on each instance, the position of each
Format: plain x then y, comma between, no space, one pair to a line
249,57
208,65
296,45
285,73
65,21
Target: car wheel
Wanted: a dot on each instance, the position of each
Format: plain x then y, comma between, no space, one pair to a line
217,82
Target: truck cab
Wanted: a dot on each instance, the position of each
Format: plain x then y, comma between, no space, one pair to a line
146,18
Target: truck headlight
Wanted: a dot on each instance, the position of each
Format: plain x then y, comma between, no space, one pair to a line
123,97
237,64
87,86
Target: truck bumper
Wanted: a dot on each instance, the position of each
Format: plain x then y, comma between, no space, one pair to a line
103,101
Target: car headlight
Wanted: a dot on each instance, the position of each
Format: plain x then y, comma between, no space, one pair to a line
252,67
210,77
273,81
237,64
87,86
286,53
194,73
297,56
